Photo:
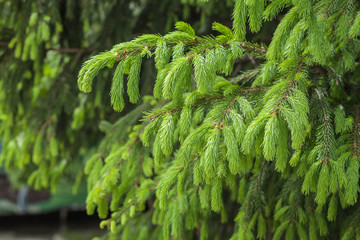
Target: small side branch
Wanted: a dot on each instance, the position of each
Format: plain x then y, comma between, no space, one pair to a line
246,76
221,122
43,127
286,93
257,187
204,100
326,137
253,48
356,125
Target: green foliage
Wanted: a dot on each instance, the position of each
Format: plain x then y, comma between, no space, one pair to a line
117,88
273,146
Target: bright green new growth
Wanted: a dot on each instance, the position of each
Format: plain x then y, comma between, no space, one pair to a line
278,144
117,88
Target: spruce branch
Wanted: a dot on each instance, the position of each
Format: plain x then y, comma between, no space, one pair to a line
253,90
253,48
134,201
326,137
356,125
121,54
221,123
236,80
287,92
137,181
259,180
319,69
137,138
256,190
204,100
327,8
43,127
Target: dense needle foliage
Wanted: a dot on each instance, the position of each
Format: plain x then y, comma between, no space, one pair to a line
270,152
48,129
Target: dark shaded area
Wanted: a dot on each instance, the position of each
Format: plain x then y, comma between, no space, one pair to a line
9,193
46,225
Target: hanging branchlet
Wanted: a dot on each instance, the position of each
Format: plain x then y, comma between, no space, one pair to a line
356,132
278,112
251,212
326,126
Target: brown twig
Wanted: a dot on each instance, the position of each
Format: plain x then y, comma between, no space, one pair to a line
221,123
253,48
121,55
133,143
253,90
319,70
327,8
45,125
246,76
140,168
5,44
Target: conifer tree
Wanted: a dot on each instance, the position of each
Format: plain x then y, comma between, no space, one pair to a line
48,128
270,152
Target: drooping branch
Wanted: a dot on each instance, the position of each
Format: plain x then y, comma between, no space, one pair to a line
256,188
